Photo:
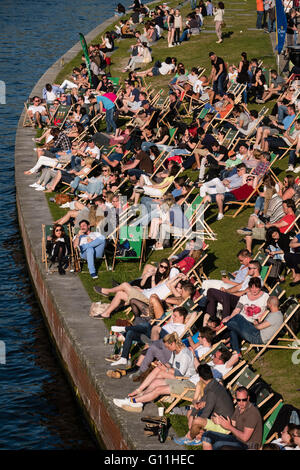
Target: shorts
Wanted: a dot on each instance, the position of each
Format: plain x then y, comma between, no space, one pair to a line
178,386
259,233
155,71
137,294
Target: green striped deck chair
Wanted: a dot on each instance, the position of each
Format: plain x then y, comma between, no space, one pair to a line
269,422
136,238
60,115
76,252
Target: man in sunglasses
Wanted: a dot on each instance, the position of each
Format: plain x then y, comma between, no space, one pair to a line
245,426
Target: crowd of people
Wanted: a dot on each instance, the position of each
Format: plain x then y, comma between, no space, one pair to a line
140,176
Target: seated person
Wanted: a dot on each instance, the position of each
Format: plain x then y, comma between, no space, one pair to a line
125,292
157,349
293,260
244,257
247,322
38,113
285,224
161,381
230,297
91,246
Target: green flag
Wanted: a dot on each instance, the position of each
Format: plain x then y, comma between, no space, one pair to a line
86,55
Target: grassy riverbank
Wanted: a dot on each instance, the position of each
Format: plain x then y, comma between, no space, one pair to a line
276,367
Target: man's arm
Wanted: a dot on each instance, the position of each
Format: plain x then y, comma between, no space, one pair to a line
243,436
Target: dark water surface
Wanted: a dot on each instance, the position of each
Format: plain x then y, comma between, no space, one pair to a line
37,409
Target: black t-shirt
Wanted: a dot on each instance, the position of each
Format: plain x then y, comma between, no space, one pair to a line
218,63
208,141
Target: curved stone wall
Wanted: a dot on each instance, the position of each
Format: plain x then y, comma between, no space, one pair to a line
65,304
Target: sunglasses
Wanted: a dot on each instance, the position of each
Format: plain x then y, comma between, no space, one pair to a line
241,399
164,266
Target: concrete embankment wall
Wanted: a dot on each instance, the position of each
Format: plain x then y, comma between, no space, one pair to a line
65,304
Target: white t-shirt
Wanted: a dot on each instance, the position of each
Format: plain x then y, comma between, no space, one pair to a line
183,363
252,309
91,235
165,68
197,87
219,370
50,96
94,151
37,109
174,328
161,290
201,350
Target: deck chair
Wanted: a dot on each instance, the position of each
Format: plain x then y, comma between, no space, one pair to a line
246,203
294,343
244,378
78,261
270,420
135,237
46,232
27,121
60,116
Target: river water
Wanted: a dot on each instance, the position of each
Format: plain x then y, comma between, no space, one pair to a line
37,407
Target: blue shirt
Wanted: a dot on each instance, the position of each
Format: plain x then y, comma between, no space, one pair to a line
107,103
287,121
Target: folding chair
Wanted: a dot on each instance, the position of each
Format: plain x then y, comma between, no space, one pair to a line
78,261
60,116
245,378
27,121
46,232
135,236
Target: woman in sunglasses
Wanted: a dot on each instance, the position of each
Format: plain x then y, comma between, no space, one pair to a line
58,247
125,292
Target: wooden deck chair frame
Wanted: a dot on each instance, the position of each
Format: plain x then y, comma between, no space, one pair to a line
65,116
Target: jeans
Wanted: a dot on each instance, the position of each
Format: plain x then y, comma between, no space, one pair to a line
133,333
110,123
282,113
184,35
228,301
92,250
239,327
218,440
259,19
259,203
219,84
193,4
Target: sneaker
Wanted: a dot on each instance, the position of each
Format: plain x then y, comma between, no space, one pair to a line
133,407
290,168
170,45
34,185
118,329
220,216
297,170
244,231
94,276
65,206
120,402
40,188
219,42
121,362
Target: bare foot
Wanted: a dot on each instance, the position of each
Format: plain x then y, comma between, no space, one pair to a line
28,172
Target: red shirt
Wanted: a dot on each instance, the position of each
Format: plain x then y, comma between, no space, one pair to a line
243,192
289,219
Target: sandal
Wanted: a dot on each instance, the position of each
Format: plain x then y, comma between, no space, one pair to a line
113,358
134,393
116,374
99,317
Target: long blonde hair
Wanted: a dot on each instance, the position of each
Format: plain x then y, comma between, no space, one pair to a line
173,338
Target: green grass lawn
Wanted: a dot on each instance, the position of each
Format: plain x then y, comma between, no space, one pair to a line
275,366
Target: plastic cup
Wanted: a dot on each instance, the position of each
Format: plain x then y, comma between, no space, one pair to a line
161,411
